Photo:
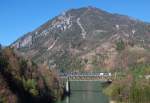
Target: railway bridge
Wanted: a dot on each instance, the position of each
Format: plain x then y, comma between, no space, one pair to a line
84,76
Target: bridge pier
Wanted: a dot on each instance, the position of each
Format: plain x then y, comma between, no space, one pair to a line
67,87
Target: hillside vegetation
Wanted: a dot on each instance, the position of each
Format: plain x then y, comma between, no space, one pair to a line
134,87
22,81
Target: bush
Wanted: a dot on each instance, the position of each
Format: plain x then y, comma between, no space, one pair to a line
30,85
136,91
120,45
115,91
139,93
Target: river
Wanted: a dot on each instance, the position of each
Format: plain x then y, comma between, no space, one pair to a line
86,92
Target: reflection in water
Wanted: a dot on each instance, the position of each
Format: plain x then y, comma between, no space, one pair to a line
86,92
67,99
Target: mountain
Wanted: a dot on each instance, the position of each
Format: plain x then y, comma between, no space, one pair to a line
87,39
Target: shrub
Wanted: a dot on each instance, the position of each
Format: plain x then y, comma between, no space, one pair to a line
30,85
120,45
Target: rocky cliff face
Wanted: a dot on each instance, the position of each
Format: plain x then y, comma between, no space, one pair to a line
87,39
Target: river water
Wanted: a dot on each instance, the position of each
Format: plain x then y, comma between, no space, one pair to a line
86,92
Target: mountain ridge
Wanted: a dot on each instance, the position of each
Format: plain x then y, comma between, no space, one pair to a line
78,38
76,9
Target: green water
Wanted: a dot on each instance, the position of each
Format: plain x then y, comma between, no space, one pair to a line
86,92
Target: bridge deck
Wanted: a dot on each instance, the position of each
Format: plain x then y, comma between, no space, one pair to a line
87,77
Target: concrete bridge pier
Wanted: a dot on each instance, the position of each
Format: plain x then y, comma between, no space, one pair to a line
67,87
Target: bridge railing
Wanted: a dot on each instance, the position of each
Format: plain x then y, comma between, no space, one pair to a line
87,76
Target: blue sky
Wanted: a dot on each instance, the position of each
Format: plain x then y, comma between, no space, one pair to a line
18,17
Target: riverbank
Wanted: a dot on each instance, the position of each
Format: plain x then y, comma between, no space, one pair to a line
133,88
